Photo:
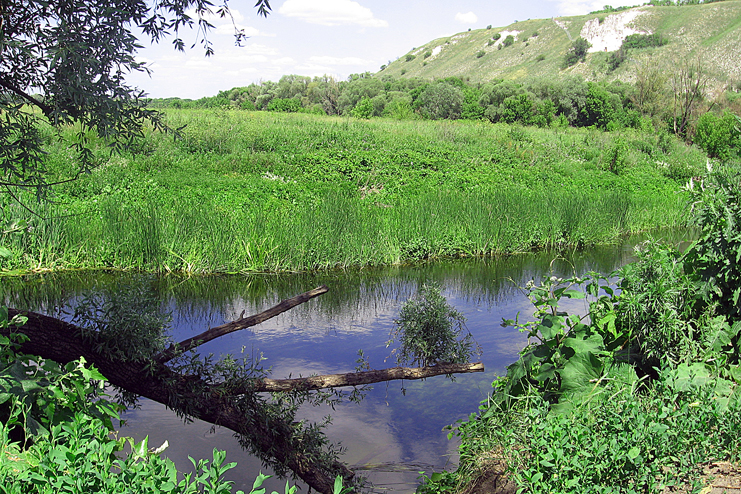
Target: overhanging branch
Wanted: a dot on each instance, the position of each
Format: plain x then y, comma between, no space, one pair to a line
242,323
30,99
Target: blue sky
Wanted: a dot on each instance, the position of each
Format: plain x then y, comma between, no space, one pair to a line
317,37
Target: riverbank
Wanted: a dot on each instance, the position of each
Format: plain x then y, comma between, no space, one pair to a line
261,192
641,393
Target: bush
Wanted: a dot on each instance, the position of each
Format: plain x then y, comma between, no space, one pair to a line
716,135
287,105
440,100
364,109
508,41
616,58
480,54
577,52
409,57
428,329
644,41
428,54
540,58
496,36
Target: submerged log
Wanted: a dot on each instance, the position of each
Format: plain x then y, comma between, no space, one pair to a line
365,377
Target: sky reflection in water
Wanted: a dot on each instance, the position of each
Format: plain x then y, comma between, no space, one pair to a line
391,435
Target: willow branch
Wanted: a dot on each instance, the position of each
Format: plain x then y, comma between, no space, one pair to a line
44,107
365,377
242,323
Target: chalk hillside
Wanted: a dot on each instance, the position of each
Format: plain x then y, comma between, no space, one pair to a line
711,31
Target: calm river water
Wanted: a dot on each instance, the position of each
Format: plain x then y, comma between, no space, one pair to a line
397,430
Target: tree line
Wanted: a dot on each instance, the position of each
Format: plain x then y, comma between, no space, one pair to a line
672,100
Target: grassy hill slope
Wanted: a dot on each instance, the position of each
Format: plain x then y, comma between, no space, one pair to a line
712,31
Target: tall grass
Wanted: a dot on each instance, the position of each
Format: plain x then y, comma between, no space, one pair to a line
265,192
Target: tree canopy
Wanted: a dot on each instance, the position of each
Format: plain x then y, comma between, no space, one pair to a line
65,62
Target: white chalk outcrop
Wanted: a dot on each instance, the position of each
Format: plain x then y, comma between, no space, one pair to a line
609,35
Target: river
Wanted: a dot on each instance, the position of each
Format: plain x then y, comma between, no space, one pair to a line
398,429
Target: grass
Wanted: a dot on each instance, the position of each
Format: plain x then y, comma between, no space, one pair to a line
711,30
257,191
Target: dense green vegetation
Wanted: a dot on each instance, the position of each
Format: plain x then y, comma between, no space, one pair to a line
637,394
57,435
256,191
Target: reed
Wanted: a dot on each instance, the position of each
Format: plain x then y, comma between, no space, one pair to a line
243,192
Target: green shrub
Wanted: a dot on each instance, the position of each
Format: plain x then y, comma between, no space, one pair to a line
428,330
480,54
508,41
644,41
540,58
428,54
717,135
364,109
287,105
409,57
496,36
441,100
577,52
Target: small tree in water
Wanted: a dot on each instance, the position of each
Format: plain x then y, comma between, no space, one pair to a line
428,329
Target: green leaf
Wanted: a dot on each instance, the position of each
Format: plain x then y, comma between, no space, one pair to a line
634,452
5,253
337,489
574,294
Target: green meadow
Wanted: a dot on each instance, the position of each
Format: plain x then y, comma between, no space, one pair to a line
258,191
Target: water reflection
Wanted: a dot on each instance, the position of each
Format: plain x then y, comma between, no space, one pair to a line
391,435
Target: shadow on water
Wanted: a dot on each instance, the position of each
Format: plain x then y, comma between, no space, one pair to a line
397,430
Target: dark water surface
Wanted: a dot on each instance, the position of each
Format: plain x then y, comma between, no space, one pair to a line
391,435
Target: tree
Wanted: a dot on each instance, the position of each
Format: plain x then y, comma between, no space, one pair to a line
688,82
577,52
125,343
75,55
441,100
63,63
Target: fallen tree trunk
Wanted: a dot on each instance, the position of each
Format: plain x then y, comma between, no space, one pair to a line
238,407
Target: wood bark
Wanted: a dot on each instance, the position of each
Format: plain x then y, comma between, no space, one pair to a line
62,342
365,377
242,323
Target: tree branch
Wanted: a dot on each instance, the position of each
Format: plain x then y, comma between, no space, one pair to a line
44,107
360,378
242,323
57,340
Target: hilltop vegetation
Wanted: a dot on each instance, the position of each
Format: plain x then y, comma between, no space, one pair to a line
538,46
658,67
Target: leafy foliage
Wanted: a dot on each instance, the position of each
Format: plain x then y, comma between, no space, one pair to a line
717,135
716,256
67,443
428,330
577,52
127,321
77,55
441,100
573,413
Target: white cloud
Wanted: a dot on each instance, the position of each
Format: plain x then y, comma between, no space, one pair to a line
331,12
283,61
467,18
327,60
581,7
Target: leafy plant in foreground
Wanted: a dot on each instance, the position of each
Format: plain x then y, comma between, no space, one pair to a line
67,443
